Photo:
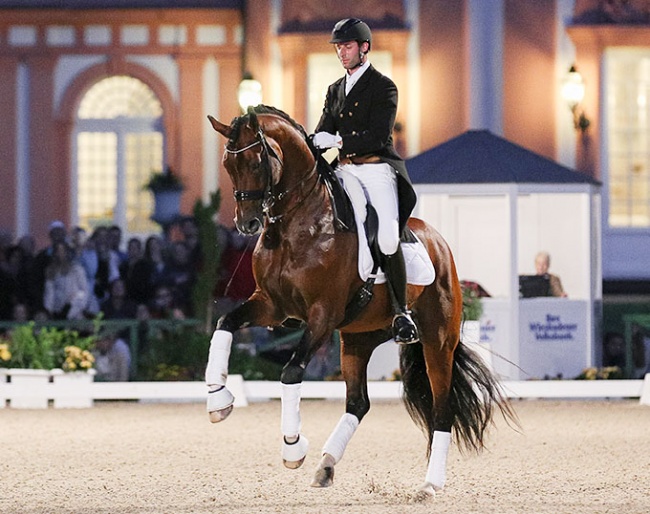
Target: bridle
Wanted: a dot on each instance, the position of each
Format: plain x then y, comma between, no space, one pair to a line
267,195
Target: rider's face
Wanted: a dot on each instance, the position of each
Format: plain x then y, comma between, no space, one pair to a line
349,53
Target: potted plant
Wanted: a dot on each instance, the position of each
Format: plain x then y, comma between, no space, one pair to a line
472,303
472,311
167,188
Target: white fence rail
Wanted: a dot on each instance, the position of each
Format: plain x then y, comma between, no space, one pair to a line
254,391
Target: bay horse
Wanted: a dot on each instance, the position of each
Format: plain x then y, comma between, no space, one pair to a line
306,269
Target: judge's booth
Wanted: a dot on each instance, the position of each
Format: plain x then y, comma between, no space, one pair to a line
498,205
495,232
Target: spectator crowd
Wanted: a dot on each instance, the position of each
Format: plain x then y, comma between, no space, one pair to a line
78,275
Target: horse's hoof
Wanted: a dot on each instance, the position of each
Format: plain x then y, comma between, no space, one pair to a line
293,464
219,415
220,404
324,477
427,490
325,473
293,454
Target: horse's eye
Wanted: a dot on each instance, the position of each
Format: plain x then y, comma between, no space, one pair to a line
256,166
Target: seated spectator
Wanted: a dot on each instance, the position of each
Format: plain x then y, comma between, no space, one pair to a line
154,256
133,254
190,231
112,359
115,243
236,282
101,265
66,287
58,234
31,291
180,276
8,283
163,306
117,305
78,242
20,313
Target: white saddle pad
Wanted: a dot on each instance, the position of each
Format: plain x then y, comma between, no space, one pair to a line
419,268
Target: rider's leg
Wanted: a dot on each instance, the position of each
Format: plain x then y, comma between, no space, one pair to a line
380,184
404,329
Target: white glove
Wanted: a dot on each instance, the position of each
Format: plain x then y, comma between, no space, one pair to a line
326,140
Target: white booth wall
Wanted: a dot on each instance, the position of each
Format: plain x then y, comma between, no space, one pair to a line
495,231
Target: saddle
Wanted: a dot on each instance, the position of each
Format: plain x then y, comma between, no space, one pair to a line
344,221
343,211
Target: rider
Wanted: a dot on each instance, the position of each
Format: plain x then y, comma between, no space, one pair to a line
358,119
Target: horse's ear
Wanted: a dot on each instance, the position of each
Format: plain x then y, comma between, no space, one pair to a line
253,122
224,130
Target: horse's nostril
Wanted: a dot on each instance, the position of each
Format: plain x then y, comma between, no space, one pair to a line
252,227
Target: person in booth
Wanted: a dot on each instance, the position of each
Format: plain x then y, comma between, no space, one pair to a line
358,119
542,264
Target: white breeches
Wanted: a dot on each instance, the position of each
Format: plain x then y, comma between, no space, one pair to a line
379,182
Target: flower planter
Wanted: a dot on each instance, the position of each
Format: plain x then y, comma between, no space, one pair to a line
73,389
24,388
167,205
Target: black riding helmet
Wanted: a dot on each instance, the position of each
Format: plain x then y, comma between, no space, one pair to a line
351,29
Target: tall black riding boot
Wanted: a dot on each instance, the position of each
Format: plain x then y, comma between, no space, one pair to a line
404,329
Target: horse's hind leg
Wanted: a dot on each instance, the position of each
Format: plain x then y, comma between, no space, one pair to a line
439,309
356,350
439,363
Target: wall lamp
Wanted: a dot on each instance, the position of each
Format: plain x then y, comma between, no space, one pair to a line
573,92
249,92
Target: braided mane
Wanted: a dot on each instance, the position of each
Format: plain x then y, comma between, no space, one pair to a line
263,109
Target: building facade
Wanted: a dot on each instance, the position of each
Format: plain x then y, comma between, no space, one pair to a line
97,94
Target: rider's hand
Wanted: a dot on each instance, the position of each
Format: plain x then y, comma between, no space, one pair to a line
324,140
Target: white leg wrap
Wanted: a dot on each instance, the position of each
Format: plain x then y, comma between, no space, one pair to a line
216,372
437,470
290,410
341,436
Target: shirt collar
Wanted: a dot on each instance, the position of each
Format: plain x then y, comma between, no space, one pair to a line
351,80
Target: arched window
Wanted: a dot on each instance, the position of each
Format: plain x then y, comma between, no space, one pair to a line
119,142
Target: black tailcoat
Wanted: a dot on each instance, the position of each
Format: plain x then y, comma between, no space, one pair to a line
364,119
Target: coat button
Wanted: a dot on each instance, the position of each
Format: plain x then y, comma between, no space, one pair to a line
356,104
350,113
341,115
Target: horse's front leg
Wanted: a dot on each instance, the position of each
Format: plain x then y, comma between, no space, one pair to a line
255,311
295,444
356,350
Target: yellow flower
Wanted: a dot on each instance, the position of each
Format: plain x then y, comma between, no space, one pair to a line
76,358
5,354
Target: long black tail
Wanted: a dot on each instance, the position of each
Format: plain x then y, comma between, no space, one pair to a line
475,396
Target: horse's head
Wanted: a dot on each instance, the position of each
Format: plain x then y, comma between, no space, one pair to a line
254,167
